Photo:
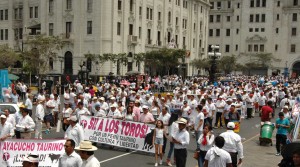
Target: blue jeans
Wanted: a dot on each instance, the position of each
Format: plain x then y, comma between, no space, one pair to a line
197,135
170,150
201,158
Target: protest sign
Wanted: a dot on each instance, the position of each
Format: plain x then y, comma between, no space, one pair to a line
126,134
13,151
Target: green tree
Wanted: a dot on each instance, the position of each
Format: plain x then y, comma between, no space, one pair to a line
227,63
8,57
201,63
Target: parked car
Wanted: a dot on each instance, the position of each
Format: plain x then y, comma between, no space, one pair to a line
13,108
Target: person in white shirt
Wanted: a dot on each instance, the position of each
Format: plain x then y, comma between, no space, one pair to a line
80,110
28,104
164,116
216,156
25,125
56,110
181,140
7,97
99,112
6,129
205,142
66,113
48,110
233,144
70,158
199,122
74,131
220,105
39,116
86,152
114,112
10,117
103,105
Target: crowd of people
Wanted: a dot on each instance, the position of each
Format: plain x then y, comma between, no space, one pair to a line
189,107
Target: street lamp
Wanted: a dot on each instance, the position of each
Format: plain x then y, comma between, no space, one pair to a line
214,55
81,64
61,59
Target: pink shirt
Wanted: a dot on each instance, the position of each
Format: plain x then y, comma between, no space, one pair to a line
146,118
137,113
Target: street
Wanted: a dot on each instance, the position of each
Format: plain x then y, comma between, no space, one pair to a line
255,155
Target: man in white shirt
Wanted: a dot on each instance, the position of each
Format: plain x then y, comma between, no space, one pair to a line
28,104
216,156
114,112
181,140
86,152
220,105
39,116
49,106
74,131
70,158
6,129
80,110
199,121
10,117
164,116
25,125
233,144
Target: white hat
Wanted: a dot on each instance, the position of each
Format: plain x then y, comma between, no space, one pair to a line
230,125
94,98
86,146
113,98
101,98
137,101
229,99
33,158
181,121
2,116
114,105
147,95
72,118
286,107
145,107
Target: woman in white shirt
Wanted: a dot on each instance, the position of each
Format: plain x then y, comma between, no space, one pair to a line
205,140
155,109
66,113
186,110
129,115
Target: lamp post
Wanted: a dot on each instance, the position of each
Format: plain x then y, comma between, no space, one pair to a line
81,64
214,55
61,59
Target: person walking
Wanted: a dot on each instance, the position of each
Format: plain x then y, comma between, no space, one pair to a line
70,158
39,116
199,122
6,129
74,131
181,140
282,125
205,142
233,144
86,152
158,140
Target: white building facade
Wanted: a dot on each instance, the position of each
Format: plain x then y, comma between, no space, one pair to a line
107,26
247,27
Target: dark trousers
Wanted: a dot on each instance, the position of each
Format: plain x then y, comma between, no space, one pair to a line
180,156
234,159
18,134
165,145
218,118
280,139
249,113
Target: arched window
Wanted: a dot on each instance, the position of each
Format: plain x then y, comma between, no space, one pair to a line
169,17
68,63
50,63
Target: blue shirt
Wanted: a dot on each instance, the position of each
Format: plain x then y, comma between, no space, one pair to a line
281,130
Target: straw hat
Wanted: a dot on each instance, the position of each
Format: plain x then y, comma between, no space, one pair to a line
86,146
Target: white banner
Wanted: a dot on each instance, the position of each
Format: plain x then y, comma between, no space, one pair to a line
126,134
13,150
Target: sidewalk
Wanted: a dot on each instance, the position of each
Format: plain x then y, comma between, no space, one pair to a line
260,156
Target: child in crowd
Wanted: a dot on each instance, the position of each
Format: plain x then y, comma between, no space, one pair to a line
158,140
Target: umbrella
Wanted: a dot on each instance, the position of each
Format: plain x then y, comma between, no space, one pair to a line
133,73
124,82
13,77
287,151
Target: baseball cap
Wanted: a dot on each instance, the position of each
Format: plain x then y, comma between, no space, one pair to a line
114,105
230,125
145,107
72,118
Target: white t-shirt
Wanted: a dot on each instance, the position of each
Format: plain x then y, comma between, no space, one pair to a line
159,133
199,117
217,157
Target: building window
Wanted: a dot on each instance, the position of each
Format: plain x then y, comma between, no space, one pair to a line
31,12
149,37
118,28
6,34
119,4
251,18
238,5
69,4
228,32
36,12
236,47
16,13
295,3
276,47
183,42
6,14
277,17
229,4
211,32
68,29
194,43
51,29
176,21
219,4
278,3
218,32
250,29
263,18
169,17
256,29
211,18
295,17
50,63
130,29
218,18
261,48
140,32
257,3
294,31
251,3
20,13
51,6
293,48
237,18
228,18
255,48
159,16
131,6
89,27
21,33
1,15
194,26
227,48
149,14
159,43
211,5
257,18
262,29
277,30
140,11
1,34
237,31
89,5
263,4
